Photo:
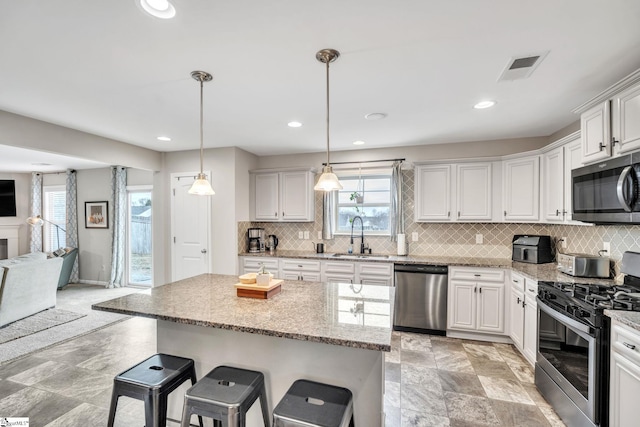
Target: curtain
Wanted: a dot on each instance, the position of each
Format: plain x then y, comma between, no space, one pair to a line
35,240
328,213
71,221
396,212
119,221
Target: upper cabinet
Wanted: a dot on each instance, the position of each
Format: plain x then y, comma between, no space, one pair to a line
521,189
285,196
557,163
610,122
454,192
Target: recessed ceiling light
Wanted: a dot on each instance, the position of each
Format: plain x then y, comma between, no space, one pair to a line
40,164
159,8
484,104
358,142
294,124
375,116
163,138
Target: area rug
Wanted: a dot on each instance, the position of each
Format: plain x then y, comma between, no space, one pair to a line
38,322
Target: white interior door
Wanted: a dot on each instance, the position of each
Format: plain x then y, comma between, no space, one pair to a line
190,228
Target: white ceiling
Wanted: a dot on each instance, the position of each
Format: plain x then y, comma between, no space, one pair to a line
108,68
21,160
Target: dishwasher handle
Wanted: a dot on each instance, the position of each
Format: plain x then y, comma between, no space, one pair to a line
421,268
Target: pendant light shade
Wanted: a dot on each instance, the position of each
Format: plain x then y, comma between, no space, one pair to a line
201,186
328,181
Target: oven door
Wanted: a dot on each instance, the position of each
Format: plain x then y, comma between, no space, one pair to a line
606,192
570,358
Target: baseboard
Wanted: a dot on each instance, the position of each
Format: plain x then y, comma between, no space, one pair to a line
479,336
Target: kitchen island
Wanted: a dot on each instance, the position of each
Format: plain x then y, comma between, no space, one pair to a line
335,333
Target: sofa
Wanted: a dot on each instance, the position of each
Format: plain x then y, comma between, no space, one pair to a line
28,285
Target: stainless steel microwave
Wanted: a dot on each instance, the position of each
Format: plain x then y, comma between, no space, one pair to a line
608,192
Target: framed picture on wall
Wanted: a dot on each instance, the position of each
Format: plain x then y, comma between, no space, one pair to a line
96,214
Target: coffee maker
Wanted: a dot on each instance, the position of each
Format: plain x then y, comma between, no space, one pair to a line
255,240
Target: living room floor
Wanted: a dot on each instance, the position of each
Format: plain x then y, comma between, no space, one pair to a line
430,381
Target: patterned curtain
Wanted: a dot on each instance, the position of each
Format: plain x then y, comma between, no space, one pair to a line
328,214
119,203
71,222
396,214
35,240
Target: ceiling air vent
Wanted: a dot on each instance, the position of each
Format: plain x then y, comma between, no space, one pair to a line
522,67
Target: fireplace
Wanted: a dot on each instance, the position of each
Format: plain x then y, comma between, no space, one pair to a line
8,241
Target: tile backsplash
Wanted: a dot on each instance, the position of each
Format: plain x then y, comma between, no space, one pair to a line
454,239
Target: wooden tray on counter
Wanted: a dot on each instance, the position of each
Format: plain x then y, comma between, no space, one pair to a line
257,291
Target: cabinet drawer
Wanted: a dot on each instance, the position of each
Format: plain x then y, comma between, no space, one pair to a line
625,341
531,288
253,264
339,267
473,273
300,265
375,269
517,281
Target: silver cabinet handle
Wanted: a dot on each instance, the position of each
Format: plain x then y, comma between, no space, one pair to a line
480,289
475,289
531,290
518,300
477,275
614,141
631,346
524,304
557,212
203,251
515,281
601,145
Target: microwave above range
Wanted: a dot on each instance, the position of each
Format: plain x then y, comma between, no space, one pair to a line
608,192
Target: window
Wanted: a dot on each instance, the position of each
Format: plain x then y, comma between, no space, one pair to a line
367,196
54,211
139,253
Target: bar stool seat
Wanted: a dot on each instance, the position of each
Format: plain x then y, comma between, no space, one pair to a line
226,394
310,404
151,381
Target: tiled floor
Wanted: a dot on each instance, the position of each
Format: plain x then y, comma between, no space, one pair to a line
430,381
440,381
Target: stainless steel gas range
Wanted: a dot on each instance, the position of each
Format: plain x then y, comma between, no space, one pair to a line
572,366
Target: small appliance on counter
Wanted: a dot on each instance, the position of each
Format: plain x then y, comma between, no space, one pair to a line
532,249
584,265
255,240
272,243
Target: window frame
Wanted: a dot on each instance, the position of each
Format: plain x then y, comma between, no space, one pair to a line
48,230
378,173
130,190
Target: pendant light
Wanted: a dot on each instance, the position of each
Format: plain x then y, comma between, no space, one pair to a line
201,186
328,181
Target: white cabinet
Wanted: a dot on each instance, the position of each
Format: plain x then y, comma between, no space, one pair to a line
516,311
476,300
285,196
596,133
454,192
626,119
625,376
523,316
557,165
521,186
432,193
300,269
253,264
378,273
337,271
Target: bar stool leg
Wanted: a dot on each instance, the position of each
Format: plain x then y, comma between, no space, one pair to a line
152,412
112,407
263,406
193,382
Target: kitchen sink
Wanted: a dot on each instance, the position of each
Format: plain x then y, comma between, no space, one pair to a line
360,256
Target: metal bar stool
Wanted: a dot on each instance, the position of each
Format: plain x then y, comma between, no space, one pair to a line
225,394
313,404
151,381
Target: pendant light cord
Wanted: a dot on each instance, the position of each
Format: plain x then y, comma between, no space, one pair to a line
328,164
201,120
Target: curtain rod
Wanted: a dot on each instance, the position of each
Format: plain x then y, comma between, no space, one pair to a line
365,161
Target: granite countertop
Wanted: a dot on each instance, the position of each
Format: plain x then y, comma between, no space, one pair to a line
540,272
307,311
629,318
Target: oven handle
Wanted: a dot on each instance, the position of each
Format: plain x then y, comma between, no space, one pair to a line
565,319
620,188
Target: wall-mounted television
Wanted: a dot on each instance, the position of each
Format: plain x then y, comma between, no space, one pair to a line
7,197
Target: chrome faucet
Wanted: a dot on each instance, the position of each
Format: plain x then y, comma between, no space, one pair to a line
361,232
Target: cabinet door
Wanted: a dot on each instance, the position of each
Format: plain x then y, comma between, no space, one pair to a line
462,305
491,307
596,133
553,176
295,194
338,278
312,277
626,119
522,189
474,192
572,160
266,196
291,275
378,281
530,346
433,193
625,389
516,317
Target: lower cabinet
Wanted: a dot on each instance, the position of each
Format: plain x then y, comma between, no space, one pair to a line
300,269
476,300
625,375
523,316
253,264
342,272
530,346
378,273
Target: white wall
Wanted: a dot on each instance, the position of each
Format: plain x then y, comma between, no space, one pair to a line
23,192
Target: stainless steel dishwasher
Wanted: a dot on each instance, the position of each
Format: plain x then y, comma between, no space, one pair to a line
421,298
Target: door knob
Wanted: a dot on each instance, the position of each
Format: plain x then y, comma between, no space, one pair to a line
203,251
